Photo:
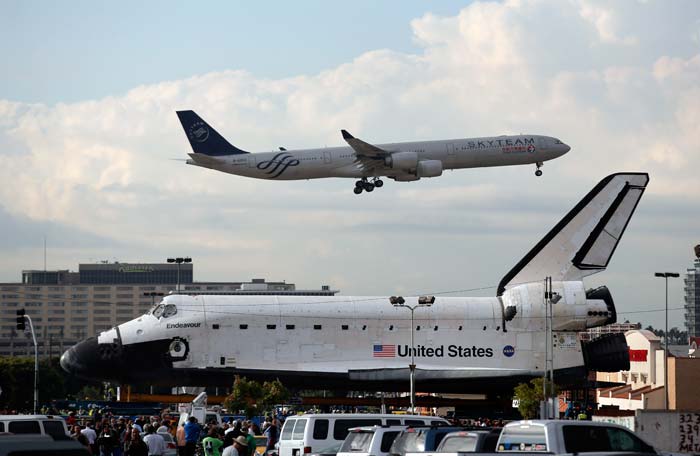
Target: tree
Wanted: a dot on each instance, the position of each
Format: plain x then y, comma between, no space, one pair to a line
255,398
530,395
17,382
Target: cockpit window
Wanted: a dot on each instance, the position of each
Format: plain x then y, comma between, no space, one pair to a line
164,310
556,141
169,311
158,311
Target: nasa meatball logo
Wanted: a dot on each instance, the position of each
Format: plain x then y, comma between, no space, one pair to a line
199,132
509,350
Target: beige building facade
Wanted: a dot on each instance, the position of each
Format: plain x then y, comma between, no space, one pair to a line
643,384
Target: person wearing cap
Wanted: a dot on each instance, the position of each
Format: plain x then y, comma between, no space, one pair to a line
239,447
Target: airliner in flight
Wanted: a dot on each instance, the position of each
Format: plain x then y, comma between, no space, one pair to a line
368,163
363,343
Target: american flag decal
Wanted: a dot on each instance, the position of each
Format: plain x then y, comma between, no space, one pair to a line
384,351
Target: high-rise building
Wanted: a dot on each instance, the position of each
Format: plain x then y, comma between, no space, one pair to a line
692,299
66,307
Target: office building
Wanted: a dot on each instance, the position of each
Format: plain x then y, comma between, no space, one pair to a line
692,300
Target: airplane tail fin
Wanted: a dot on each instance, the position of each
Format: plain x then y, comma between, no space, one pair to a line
583,242
203,138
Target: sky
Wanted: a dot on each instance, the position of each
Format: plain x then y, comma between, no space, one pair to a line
92,151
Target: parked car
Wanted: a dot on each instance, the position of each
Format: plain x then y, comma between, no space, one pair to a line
570,437
54,426
465,442
305,433
39,445
418,439
370,440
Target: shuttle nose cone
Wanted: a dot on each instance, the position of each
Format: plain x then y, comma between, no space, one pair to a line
91,360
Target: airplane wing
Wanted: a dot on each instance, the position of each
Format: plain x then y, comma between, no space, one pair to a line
368,155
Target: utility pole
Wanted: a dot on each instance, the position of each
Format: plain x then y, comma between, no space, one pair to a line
179,261
665,276
423,301
21,316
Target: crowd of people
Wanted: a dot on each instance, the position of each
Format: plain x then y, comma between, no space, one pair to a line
119,436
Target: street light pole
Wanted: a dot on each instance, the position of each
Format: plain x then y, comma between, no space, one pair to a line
179,261
21,317
423,301
666,275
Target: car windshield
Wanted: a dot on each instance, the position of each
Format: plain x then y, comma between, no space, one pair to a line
459,443
357,442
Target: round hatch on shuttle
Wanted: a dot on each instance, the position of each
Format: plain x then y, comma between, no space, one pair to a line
178,349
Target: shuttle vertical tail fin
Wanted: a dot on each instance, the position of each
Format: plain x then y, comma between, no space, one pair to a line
583,242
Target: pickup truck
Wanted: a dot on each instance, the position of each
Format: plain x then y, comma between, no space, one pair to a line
563,437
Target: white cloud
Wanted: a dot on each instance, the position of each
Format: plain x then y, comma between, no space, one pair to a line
581,71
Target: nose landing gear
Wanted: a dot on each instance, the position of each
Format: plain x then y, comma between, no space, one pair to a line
538,172
364,185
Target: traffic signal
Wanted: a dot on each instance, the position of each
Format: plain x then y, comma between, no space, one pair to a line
20,320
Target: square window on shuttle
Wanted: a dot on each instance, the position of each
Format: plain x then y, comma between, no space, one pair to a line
271,326
344,327
243,326
289,326
317,326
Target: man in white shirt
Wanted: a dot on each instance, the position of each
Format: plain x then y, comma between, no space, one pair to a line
155,442
90,433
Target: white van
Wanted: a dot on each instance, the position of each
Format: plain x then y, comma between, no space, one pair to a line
310,432
55,426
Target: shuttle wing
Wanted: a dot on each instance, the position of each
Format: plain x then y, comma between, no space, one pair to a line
583,242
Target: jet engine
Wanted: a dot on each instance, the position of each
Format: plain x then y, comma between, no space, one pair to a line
429,168
402,160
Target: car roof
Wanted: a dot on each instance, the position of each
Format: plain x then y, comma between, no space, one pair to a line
366,415
395,427
29,417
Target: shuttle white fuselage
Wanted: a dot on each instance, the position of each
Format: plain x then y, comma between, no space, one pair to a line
336,342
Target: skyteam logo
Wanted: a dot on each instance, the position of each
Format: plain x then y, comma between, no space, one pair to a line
509,351
278,164
531,148
198,132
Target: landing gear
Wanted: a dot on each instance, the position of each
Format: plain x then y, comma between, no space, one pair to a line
538,172
364,185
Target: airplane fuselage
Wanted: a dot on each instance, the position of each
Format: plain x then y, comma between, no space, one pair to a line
342,161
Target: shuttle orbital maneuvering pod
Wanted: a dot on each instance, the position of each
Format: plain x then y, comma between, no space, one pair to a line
368,163
362,343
